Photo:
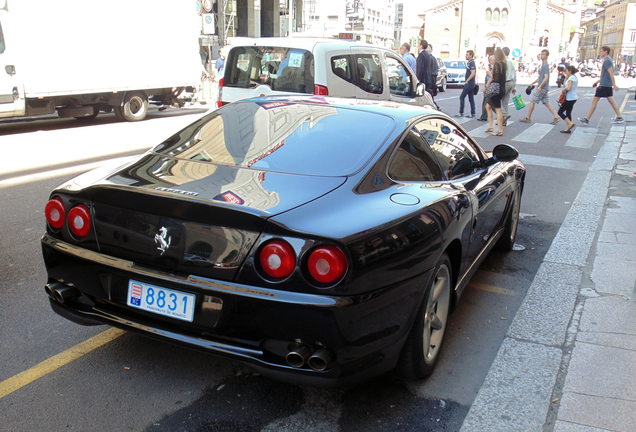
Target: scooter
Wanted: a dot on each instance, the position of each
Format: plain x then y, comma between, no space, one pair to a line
561,76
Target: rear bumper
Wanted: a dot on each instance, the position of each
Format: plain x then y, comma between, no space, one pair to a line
254,325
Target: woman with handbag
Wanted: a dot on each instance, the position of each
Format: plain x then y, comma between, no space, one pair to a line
495,90
568,98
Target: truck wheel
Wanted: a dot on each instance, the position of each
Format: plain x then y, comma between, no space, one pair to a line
135,106
118,113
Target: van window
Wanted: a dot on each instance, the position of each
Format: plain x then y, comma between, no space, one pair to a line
341,67
369,73
281,69
1,40
399,77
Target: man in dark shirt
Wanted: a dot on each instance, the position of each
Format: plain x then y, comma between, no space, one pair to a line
471,79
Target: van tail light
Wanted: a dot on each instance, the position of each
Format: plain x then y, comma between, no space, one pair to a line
321,90
327,264
277,259
219,103
79,220
54,213
221,82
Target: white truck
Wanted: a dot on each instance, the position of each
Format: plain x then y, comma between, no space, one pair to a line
80,58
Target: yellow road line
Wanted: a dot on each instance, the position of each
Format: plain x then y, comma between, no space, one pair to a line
492,288
18,381
624,102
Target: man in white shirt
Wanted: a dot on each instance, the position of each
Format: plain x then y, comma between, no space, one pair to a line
511,83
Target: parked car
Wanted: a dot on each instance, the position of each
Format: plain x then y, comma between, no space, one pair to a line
282,66
456,70
322,241
442,75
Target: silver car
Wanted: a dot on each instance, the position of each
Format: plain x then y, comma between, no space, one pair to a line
456,72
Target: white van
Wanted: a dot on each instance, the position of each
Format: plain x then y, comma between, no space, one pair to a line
280,66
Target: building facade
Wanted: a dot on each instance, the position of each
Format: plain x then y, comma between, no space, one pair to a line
525,26
614,26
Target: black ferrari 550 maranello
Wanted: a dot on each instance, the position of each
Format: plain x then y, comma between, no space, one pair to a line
322,241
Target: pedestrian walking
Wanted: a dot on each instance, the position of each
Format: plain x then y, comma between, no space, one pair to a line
571,83
607,84
469,86
422,67
484,113
511,83
433,69
540,94
409,58
498,81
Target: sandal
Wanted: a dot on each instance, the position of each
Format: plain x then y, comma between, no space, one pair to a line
500,133
525,120
488,130
555,121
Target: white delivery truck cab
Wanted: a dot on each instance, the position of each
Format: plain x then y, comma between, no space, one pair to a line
80,58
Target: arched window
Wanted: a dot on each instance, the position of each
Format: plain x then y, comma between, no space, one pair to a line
495,15
504,15
456,11
488,14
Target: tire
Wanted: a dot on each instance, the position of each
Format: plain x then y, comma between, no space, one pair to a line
119,113
443,86
421,350
135,107
507,240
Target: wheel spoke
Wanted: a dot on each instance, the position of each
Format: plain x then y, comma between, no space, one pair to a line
436,323
440,283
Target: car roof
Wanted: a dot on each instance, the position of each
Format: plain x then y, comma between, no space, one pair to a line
301,43
398,111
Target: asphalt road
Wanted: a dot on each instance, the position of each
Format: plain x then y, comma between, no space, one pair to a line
128,382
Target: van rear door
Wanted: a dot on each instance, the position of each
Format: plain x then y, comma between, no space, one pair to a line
371,70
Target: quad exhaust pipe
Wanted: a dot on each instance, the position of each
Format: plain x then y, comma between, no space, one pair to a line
60,292
301,354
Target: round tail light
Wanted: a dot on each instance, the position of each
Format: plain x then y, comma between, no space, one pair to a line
327,264
277,259
54,213
79,220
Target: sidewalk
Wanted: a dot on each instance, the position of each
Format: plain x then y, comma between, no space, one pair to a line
568,361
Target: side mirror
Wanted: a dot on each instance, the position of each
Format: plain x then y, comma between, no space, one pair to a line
503,153
463,166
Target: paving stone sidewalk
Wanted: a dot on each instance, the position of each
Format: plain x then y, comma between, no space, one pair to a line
568,361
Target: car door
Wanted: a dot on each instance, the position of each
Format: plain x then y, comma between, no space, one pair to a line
463,165
401,81
370,78
7,81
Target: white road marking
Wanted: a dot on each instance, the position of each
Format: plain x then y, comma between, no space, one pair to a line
534,133
553,162
582,137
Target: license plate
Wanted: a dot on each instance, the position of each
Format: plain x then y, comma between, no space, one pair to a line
160,300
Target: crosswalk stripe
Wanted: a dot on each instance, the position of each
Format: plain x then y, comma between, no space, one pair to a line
553,162
582,137
534,133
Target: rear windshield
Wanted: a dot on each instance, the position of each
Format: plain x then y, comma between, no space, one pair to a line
297,138
282,69
455,64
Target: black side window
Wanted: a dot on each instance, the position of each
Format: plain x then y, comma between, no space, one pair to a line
341,67
450,146
1,40
369,73
413,161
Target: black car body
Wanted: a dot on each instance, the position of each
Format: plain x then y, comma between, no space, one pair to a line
316,239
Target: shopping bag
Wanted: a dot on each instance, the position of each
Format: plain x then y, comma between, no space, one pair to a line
519,103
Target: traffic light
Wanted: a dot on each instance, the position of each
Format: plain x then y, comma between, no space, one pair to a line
560,48
541,41
466,42
545,42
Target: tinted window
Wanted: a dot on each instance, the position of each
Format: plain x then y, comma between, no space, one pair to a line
455,64
413,161
282,69
341,67
450,146
369,73
399,78
1,40
314,139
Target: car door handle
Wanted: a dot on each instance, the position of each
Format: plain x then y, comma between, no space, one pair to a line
10,69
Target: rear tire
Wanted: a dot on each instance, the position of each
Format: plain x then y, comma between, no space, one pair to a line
507,240
443,86
135,107
421,351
